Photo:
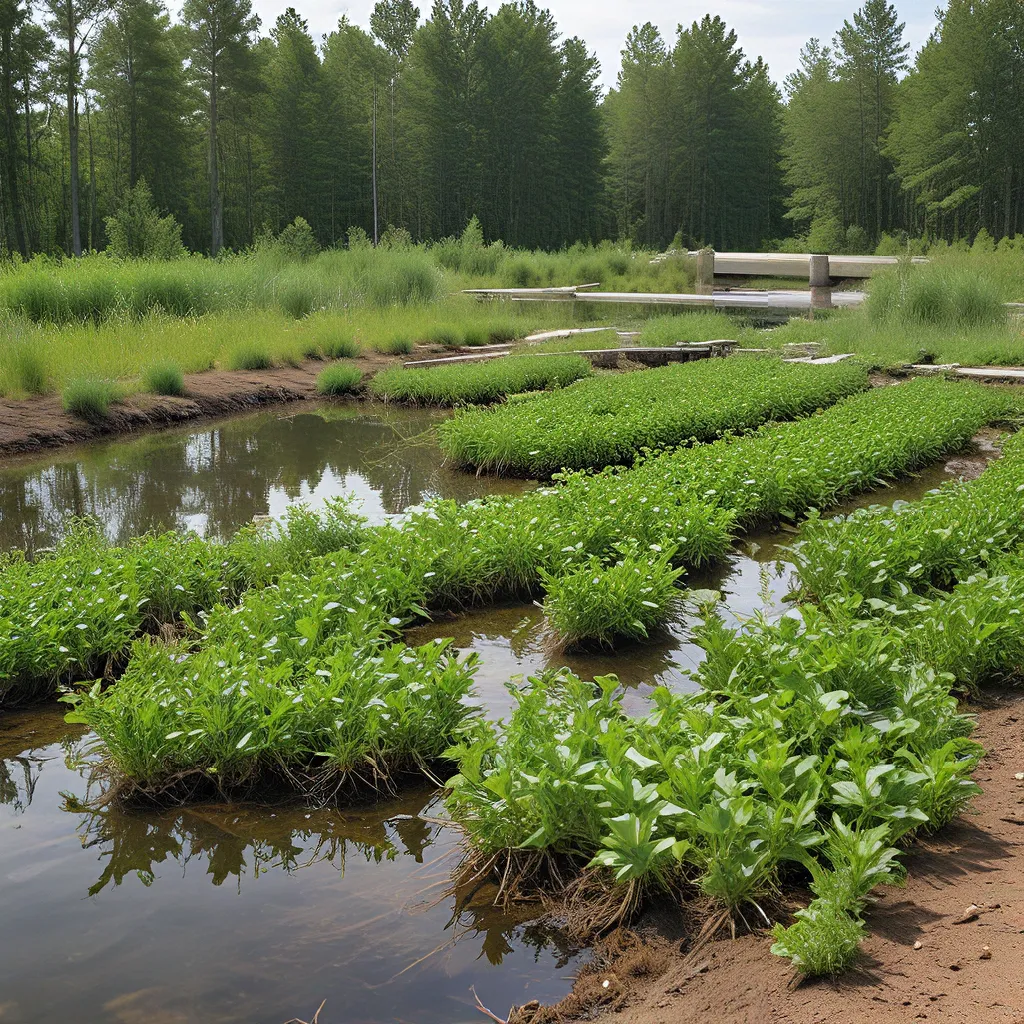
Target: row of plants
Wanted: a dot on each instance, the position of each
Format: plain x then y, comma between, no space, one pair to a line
444,555
609,420
880,552
73,613
478,382
685,504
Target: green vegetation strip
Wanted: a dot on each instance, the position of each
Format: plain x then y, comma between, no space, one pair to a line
609,420
478,383
817,744
687,503
881,552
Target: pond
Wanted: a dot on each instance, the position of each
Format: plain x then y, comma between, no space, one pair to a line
225,913
215,478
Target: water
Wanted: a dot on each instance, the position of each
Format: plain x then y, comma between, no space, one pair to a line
225,913
215,478
239,913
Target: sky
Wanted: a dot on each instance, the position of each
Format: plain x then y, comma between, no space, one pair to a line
773,29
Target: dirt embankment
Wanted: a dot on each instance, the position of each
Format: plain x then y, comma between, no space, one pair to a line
919,963
37,423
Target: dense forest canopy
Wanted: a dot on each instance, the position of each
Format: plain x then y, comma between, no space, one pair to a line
430,118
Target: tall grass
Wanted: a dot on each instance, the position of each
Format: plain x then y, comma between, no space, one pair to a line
936,295
164,379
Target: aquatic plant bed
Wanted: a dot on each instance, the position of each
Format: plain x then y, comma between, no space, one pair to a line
478,383
818,745
687,503
349,606
609,420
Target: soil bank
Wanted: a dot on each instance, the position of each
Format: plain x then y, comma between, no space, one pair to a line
950,977
34,424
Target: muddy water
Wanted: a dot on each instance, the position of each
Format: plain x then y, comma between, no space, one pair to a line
237,913
214,479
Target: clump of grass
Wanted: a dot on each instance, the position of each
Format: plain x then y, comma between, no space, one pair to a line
597,605
340,346
473,336
164,379
395,345
476,383
340,379
445,335
89,397
29,370
501,331
249,355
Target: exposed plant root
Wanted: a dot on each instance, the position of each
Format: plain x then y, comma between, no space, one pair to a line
315,1020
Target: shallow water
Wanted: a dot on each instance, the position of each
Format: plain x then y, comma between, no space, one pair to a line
231,913
239,913
215,478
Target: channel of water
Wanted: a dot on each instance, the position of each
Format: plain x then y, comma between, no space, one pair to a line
225,913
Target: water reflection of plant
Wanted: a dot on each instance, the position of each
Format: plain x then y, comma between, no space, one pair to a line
233,842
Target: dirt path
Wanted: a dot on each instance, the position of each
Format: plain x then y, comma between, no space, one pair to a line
979,859
37,423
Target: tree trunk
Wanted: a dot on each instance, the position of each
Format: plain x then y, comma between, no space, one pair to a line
72,102
10,132
216,210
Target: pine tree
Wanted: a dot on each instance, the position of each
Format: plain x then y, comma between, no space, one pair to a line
220,36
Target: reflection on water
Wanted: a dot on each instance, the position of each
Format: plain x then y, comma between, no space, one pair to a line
240,913
516,641
214,479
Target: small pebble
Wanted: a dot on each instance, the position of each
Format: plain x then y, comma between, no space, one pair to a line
918,944
986,953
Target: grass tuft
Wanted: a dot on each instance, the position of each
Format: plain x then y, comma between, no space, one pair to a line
164,379
341,379
89,398
29,370
249,355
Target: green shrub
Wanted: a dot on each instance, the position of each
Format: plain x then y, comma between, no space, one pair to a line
249,355
164,379
297,241
89,397
137,231
340,379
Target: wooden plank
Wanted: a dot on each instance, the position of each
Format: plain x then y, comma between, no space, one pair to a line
567,333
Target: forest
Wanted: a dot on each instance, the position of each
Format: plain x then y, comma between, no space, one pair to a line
422,121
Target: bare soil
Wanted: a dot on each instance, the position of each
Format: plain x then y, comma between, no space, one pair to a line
919,963
33,424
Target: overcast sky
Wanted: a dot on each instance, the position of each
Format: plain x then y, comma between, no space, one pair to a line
773,29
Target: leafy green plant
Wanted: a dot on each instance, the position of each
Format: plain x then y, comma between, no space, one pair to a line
601,604
164,379
611,419
468,383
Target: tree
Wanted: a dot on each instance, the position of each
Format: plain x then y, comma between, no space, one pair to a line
23,49
136,69
871,54
137,231
957,135
291,119
73,22
220,37
393,22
